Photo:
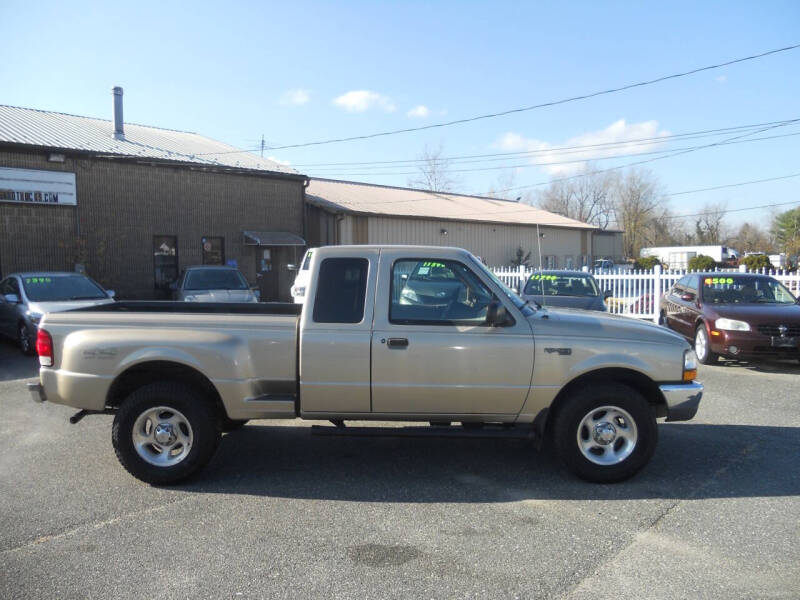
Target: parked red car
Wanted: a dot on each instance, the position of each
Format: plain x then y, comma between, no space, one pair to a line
736,315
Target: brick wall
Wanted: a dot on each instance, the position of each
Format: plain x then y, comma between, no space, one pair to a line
122,205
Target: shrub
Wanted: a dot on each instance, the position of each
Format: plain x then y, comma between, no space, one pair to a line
701,262
646,263
756,262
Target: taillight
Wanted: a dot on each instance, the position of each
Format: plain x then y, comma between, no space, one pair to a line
44,348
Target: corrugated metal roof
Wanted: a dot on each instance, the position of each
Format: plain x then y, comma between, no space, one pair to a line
72,132
370,199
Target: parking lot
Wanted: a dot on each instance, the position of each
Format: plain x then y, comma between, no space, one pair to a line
282,514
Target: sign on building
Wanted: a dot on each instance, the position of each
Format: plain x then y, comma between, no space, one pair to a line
26,186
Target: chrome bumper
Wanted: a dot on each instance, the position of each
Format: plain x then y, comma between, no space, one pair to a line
682,400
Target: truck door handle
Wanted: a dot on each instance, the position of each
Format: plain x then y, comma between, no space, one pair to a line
397,343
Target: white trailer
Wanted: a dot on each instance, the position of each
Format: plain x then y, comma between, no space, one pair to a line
677,257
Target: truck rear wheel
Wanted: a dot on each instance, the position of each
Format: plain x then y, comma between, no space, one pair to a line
164,432
605,433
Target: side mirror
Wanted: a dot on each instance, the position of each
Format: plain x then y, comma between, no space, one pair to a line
608,294
12,299
496,314
291,267
111,293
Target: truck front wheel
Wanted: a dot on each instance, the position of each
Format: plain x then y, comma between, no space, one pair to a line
165,432
605,433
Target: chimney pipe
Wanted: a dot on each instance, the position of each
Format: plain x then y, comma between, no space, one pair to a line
119,129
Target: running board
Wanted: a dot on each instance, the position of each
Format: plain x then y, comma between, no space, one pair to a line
415,431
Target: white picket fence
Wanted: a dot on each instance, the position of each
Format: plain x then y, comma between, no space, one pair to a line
637,293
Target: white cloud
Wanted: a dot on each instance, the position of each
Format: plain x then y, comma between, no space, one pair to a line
419,112
280,161
363,100
721,78
617,133
296,97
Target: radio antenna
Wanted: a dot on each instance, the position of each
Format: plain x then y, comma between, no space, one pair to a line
541,277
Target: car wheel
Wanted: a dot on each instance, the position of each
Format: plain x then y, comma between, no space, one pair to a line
24,339
702,347
605,432
164,432
229,425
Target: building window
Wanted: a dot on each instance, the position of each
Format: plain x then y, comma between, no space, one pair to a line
165,260
213,250
550,261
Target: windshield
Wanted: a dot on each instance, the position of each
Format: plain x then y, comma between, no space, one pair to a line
551,284
214,279
50,288
515,299
745,290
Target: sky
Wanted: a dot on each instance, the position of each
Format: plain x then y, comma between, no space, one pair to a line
299,72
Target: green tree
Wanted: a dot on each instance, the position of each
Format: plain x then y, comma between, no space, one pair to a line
756,262
701,262
786,231
521,259
646,263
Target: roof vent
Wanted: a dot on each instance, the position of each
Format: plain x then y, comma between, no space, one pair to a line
119,129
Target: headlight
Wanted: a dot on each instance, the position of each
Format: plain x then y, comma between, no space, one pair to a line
732,325
689,365
34,317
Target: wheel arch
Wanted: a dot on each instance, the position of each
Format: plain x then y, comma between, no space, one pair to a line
635,379
144,373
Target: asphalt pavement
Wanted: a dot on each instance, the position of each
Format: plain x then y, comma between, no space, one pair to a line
281,514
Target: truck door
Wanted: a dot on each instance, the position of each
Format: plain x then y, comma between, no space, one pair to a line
432,352
335,331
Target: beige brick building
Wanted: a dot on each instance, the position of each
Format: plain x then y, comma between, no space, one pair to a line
133,207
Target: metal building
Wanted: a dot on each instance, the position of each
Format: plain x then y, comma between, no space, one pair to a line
346,212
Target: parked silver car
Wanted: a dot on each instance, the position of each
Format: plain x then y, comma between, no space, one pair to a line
565,289
25,297
210,283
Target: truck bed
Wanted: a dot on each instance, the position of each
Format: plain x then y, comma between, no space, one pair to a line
155,306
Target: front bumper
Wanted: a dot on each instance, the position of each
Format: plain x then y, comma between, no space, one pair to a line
682,400
748,344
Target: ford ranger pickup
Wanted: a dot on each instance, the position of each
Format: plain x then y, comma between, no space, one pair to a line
387,333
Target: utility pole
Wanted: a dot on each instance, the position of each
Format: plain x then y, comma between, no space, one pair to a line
262,145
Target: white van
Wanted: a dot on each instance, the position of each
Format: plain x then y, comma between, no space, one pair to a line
298,290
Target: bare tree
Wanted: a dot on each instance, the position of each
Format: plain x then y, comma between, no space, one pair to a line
639,203
502,187
751,238
587,198
709,227
434,172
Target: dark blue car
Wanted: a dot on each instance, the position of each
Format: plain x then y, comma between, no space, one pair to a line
565,289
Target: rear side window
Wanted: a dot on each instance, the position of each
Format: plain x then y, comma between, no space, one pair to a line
341,288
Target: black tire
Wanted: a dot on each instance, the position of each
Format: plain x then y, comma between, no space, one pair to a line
709,357
567,424
26,343
198,411
229,425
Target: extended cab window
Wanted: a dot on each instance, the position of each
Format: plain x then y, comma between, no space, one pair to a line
437,292
341,288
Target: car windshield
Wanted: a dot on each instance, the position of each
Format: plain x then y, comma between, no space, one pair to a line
214,279
512,295
745,290
50,288
557,284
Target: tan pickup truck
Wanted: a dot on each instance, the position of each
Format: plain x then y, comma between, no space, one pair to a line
391,333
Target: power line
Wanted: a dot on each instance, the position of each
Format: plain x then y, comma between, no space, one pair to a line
529,108
554,163
543,104
641,162
730,185
552,150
